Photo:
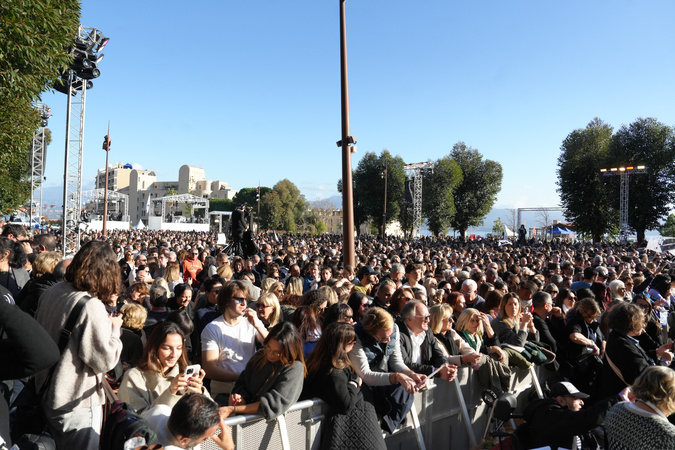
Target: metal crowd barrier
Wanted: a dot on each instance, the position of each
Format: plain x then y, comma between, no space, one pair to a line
446,415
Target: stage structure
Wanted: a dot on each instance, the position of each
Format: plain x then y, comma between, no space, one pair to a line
38,156
118,209
416,173
624,188
161,219
87,46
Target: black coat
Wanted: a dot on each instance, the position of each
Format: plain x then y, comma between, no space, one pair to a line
548,423
630,359
353,422
545,335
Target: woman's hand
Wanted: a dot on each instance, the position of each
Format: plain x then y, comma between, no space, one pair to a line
195,384
178,384
665,352
448,372
236,400
501,354
471,358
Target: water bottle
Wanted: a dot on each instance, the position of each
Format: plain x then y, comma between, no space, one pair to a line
663,316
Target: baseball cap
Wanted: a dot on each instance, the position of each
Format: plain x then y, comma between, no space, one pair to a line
565,388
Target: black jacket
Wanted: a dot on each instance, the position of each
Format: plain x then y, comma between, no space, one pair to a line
630,359
548,423
432,355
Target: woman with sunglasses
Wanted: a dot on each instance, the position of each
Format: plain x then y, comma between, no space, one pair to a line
268,309
331,377
273,378
652,323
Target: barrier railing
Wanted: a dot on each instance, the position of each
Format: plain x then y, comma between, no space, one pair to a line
446,415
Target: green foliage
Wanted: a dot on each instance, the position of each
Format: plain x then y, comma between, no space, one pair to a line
650,143
581,185
18,120
668,228
321,227
438,203
221,204
271,211
475,195
34,38
283,208
498,226
369,188
248,196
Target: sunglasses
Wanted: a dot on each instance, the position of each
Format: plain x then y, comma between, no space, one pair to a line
239,300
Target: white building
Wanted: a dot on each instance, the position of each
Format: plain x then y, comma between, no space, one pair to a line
143,186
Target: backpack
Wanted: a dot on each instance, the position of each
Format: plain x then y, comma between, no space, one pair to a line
124,429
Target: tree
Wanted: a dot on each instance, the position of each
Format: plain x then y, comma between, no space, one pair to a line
271,211
438,203
498,226
321,227
221,204
249,196
668,228
283,207
580,184
369,188
35,37
475,195
650,143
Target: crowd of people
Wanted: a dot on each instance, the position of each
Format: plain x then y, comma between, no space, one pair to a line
187,333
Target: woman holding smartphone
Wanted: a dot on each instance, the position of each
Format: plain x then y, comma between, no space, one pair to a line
160,376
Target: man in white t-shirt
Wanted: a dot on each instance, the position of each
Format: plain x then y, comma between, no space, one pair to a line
193,420
228,342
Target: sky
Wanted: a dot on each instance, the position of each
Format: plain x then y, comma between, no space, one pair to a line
250,90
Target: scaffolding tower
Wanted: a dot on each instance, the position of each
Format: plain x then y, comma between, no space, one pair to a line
416,173
624,174
72,181
38,156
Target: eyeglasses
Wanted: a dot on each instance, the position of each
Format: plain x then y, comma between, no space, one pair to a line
239,300
260,305
349,317
215,291
272,352
425,318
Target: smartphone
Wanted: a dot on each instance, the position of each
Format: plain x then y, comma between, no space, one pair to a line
190,371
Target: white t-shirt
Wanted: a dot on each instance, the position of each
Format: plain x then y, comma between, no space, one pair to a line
235,345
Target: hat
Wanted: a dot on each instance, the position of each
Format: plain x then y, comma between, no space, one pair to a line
565,388
367,270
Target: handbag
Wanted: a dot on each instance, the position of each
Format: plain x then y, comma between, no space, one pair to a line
29,417
532,352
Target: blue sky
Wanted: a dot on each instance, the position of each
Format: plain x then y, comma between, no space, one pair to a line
250,90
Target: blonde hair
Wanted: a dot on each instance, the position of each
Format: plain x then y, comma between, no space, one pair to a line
656,384
269,299
172,273
133,316
225,271
438,313
330,295
377,319
45,263
464,319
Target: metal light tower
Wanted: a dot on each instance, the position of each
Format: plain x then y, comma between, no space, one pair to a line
38,156
88,43
416,172
624,174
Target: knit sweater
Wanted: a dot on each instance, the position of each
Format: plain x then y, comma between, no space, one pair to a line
276,386
145,389
631,428
93,349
